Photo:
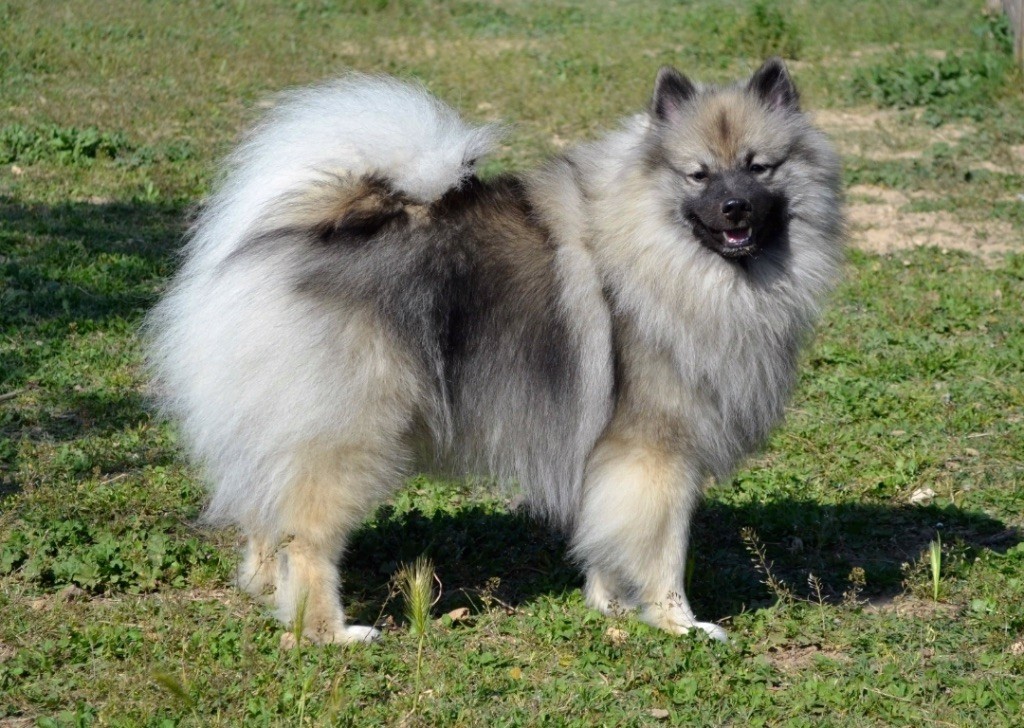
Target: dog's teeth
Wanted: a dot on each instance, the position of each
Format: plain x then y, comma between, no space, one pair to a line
736,237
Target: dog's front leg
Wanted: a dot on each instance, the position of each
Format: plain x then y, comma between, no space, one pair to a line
634,527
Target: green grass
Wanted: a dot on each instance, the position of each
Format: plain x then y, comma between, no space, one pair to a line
947,85
116,609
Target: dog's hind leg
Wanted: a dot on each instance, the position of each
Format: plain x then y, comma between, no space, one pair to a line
335,491
258,572
325,457
635,522
604,593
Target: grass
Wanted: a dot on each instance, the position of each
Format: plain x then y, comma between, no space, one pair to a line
415,583
116,610
935,553
947,85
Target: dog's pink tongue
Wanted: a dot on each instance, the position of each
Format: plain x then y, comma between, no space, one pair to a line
739,235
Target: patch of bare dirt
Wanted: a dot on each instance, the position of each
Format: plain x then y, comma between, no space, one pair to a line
793,658
6,652
879,219
882,134
838,121
401,46
908,606
17,722
72,595
879,223
1009,160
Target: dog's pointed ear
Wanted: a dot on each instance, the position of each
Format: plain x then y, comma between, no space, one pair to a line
772,84
671,91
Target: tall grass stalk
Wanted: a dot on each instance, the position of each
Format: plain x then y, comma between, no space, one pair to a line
173,685
416,583
177,688
935,552
299,623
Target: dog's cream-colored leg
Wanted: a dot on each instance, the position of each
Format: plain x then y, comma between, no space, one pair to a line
257,574
635,521
603,593
309,594
335,492
662,580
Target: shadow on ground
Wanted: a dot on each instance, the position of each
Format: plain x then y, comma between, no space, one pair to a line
83,262
66,270
506,559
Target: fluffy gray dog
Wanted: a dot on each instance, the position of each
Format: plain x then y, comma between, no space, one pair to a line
609,331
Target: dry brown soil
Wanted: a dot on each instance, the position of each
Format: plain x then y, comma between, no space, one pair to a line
879,219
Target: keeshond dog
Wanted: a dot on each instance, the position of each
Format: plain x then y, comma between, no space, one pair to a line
609,332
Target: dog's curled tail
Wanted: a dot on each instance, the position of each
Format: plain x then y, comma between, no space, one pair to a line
340,137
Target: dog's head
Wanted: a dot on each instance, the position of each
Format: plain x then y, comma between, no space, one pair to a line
722,154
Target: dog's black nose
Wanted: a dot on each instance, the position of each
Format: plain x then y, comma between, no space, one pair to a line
736,209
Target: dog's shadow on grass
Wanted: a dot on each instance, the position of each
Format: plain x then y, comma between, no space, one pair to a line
486,559
800,538
482,558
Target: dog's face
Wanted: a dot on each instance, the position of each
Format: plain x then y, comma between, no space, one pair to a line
722,153
732,212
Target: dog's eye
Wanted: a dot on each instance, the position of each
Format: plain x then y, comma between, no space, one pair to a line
699,176
762,168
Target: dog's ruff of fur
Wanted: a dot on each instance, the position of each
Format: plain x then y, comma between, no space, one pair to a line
352,292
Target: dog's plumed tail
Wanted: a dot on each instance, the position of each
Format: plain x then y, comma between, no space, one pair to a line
250,369
319,146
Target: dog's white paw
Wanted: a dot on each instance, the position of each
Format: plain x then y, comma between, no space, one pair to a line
677,621
712,630
356,633
348,635
344,634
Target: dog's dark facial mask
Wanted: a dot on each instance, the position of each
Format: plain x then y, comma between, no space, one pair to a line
713,141
733,215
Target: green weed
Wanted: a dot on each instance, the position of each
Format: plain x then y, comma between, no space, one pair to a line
948,85
63,145
766,31
416,584
92,556
173,686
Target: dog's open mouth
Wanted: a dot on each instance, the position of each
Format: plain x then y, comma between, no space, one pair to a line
730,242
737,237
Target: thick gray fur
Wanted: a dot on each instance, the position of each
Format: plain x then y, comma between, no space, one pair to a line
608,331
